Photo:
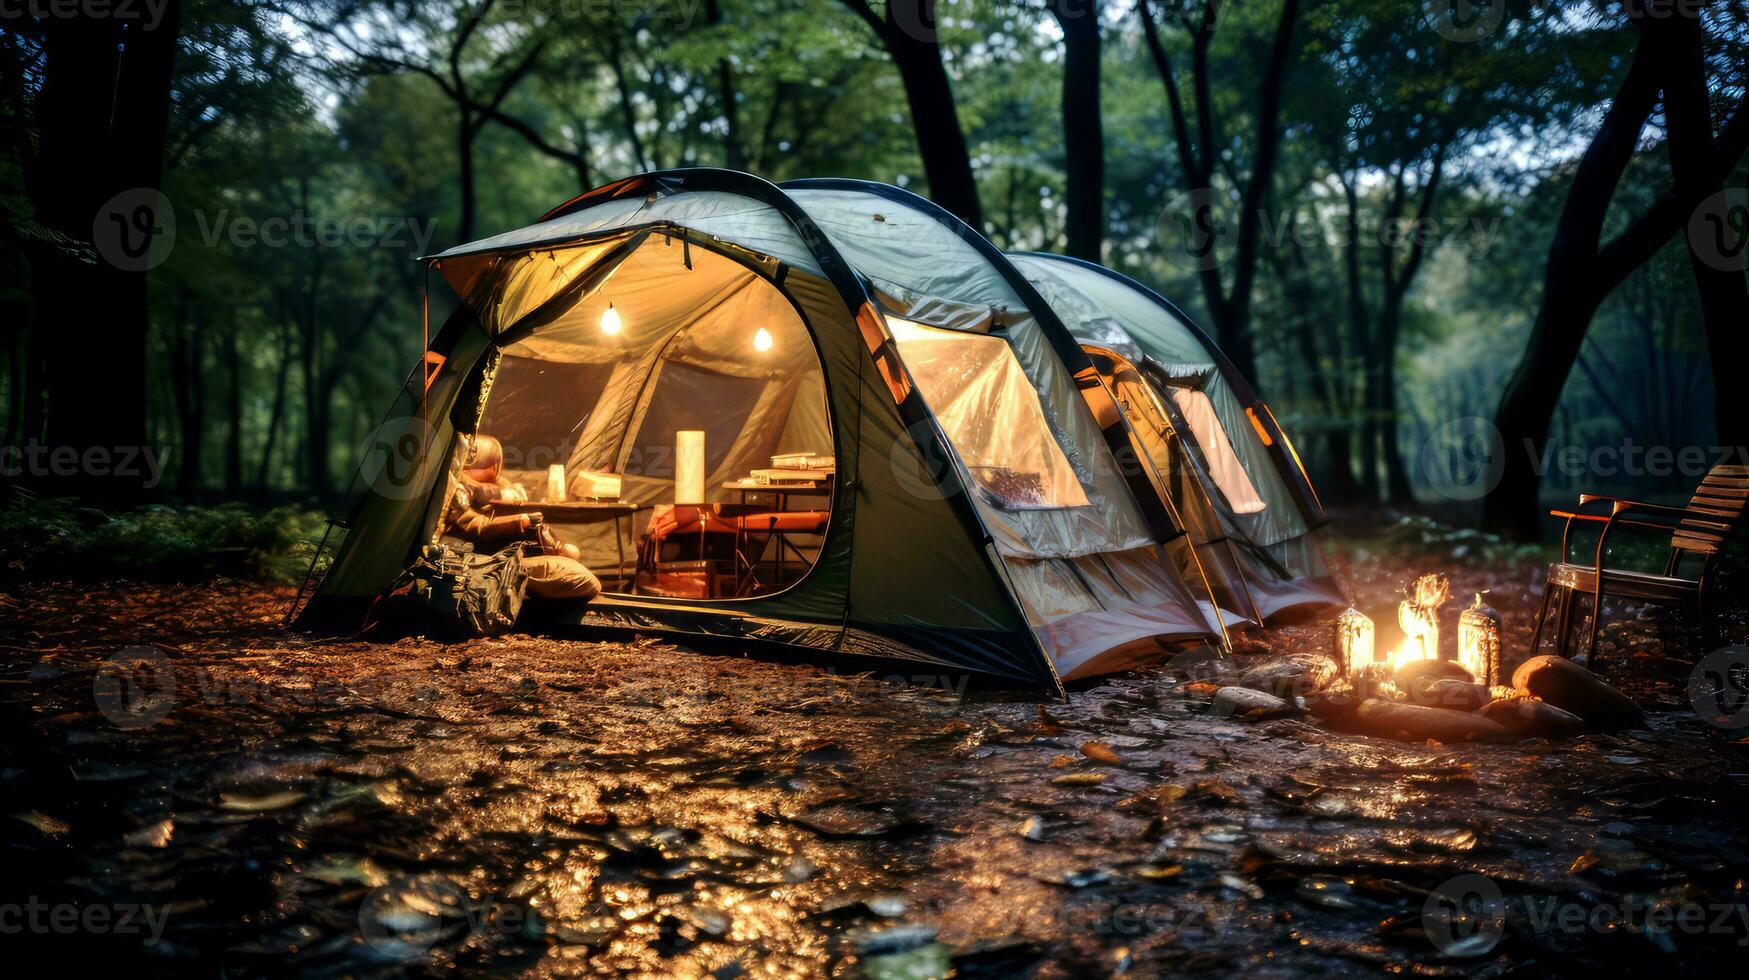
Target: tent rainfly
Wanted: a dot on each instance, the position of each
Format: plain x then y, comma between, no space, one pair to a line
1216,449
826,415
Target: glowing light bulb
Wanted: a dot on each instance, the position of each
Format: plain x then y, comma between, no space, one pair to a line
610,321
762,340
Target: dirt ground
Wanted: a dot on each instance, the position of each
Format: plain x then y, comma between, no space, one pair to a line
263,803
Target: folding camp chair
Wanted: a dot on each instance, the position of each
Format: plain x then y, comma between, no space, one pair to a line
1697,532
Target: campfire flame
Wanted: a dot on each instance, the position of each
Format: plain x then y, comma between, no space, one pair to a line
1418,615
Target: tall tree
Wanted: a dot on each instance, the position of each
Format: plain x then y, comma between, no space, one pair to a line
907,28
1697,175
1083,127
379,37
102,116
1582,270
1198,156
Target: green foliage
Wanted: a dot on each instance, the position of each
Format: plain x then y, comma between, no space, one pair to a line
60,538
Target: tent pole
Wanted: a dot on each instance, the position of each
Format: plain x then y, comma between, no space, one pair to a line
425,349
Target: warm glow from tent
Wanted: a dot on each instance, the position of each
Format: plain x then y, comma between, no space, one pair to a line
610,321
762,340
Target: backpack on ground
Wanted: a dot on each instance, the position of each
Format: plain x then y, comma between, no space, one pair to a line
454,595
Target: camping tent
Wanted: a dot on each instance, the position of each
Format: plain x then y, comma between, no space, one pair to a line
970,513
1216,448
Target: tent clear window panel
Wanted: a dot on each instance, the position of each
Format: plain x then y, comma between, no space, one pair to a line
672,424
1224,466
990,412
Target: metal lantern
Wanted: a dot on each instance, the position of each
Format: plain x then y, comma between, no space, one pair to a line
1354,641
1479,642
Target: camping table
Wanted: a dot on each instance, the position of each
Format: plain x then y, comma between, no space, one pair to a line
575,512
781,491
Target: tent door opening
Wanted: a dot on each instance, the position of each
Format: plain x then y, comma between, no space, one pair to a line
671,424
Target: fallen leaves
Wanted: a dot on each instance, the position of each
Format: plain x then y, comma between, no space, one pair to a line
1151,802
240,803
1100,752
1048,725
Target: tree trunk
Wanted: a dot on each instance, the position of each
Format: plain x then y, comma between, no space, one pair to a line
908,32
264,471
1574,285
1083,129
1229,307
233,410
1397,489
103,111
1698,176
465,155
186,354
1372,382
1360,325
733,154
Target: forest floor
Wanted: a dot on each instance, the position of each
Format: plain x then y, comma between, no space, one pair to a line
268,803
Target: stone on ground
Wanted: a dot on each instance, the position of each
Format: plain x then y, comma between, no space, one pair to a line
1568,686
1415,723
1531,718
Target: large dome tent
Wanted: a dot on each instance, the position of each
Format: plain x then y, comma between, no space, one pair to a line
1217,448
958,525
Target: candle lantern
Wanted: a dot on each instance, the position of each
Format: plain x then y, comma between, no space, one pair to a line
556,482
689,467
1479,642
1354,642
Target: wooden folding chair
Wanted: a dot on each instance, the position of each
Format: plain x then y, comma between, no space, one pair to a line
1697,532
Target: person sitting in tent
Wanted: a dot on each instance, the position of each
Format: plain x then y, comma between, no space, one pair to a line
556,573
484,474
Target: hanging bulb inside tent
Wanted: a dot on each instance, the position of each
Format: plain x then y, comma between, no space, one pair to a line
610,321
762,340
